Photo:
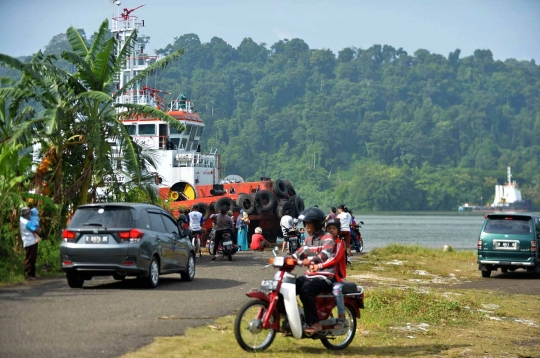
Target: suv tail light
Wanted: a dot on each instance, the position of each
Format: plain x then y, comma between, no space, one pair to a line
133,235
68,235
479,244
533,245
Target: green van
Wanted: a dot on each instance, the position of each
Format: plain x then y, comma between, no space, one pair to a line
509,241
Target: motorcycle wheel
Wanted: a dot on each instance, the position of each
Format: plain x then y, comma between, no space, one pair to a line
248,329
361,245
230,257
210,247
337,343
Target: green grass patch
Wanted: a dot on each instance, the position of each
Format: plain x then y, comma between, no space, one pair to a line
402,317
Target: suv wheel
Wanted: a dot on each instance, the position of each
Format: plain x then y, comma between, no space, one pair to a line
152,280
486,273
75,281
189,274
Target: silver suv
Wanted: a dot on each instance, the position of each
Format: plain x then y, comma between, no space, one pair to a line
125,239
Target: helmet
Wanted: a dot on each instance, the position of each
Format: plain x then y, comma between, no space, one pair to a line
313,215
335,223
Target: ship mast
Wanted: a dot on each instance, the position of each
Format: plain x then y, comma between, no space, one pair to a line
122,26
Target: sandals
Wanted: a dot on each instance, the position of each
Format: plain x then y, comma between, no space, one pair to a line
340,323
317,327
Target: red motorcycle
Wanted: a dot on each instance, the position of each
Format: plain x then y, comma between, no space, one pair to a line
274,308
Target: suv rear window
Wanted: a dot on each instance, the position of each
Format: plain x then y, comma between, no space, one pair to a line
107,216
508,225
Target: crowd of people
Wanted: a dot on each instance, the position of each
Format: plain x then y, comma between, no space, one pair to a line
224,222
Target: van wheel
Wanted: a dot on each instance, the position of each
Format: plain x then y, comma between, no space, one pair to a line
486,274
75,281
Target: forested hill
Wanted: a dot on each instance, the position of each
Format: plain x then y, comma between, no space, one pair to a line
376,128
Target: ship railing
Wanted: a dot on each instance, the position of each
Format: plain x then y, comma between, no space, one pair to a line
133,97
182,105
120,23
196,160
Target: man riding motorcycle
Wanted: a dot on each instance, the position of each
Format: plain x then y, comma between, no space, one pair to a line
318,248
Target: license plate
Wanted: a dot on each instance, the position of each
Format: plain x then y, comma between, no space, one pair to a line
97,239
507,244
227,243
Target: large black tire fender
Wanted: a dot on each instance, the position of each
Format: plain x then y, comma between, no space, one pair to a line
286,206
298,204
280,188
245,201
223,201
204,209
256,208
290,188
265,200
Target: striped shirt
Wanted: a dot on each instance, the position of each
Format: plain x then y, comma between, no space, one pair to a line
318,249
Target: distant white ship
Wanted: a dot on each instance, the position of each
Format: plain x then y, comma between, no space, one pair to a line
507,197
508,193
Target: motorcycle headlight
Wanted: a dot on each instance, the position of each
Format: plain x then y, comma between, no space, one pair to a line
277,261
268,285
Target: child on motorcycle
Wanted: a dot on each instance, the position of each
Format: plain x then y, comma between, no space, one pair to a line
338,260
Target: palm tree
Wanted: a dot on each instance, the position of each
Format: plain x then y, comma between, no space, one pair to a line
99,119
80,113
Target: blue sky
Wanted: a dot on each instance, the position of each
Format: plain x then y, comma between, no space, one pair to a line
510,29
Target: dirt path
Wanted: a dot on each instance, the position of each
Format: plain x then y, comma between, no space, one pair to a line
519,282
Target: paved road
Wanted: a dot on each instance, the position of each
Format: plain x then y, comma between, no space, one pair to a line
107,318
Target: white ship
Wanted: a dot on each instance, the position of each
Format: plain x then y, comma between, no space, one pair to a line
180,164
507,197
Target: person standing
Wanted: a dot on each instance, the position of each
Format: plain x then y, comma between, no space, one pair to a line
30,242
332,215
286,223
345,230
243,220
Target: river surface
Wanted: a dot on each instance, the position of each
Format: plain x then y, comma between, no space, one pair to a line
435,231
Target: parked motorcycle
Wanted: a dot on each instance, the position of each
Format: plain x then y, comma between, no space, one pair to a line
356,229
293,236
225,248
274,308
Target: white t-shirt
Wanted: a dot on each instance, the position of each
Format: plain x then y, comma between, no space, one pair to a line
195,221
27,236
345,221
286,223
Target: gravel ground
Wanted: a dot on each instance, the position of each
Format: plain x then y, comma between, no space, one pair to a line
107,318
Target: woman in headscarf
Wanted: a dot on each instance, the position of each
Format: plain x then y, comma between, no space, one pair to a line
242,232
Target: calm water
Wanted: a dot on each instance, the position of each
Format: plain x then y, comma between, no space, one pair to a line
460,232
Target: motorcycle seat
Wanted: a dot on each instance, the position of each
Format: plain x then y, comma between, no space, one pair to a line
349,287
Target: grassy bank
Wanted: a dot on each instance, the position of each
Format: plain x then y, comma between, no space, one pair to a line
412,309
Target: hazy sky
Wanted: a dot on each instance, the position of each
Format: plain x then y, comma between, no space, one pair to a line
510,29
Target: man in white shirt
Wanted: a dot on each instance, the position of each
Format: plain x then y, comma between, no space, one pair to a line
286,224
195,220
345,231
30,243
